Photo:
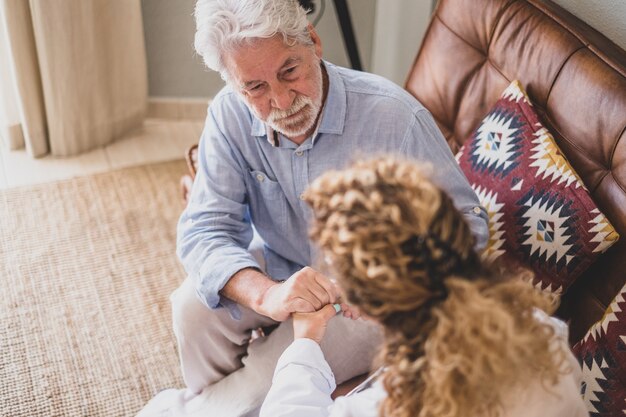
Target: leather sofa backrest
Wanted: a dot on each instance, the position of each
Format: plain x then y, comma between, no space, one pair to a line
576,79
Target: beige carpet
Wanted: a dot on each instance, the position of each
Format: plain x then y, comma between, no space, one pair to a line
86,268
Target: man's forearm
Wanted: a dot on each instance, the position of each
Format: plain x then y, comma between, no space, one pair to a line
247,288
303,292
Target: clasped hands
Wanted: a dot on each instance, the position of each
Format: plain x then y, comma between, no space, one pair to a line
307,296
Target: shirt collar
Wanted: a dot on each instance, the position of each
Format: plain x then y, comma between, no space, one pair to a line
333,112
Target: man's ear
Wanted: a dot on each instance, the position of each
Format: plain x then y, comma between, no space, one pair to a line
317,42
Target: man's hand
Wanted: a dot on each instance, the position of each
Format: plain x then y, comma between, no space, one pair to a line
305,291
312,325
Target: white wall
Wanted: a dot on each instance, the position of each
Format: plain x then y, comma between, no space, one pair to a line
606,16
399,29
175,71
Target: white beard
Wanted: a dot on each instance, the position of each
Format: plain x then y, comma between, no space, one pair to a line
305,111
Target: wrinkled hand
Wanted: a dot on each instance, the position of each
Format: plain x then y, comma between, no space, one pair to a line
305,291
312,325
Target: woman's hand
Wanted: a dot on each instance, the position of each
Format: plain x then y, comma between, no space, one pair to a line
350,311
313,325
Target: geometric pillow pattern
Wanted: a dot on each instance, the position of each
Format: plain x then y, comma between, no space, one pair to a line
602,355
541,216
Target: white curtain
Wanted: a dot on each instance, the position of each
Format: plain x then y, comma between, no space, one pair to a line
73,73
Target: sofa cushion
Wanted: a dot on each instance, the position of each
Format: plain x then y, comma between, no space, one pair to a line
541,215
602,355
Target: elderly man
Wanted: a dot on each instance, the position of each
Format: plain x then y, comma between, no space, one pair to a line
285,117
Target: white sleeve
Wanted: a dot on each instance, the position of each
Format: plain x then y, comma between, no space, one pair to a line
302,383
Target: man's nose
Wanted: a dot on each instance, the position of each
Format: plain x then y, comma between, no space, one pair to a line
282,97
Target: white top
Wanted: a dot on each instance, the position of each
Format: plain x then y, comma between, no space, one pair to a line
303,382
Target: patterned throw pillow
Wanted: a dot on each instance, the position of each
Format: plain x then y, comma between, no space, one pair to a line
541,215
602,355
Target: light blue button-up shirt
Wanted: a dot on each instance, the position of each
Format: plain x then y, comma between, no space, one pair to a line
243,177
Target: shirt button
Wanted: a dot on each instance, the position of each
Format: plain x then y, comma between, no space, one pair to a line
260,177
477,210
302,196
299,153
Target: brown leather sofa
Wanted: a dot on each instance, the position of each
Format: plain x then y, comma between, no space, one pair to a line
576,79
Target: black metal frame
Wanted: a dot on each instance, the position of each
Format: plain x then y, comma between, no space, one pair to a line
349,40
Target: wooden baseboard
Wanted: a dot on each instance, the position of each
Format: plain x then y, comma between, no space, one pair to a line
177,108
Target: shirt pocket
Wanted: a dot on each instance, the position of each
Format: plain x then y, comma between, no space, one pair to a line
265,187
268,204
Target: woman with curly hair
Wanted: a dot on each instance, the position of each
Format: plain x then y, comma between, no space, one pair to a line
460,339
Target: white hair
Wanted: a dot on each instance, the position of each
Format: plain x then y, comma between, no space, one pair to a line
223,25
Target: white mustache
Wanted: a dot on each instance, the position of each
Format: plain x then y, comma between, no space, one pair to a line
299,103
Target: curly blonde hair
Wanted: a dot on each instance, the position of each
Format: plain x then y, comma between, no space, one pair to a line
456,333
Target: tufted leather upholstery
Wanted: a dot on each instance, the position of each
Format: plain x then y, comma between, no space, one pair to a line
577,80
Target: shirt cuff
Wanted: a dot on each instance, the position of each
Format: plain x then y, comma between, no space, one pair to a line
208,288
478,221
307,353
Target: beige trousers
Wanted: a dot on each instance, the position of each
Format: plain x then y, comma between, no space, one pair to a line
231,375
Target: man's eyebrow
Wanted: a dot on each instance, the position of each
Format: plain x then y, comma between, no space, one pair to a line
249,84
290,61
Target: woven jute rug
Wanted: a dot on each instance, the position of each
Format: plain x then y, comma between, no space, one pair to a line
86,269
